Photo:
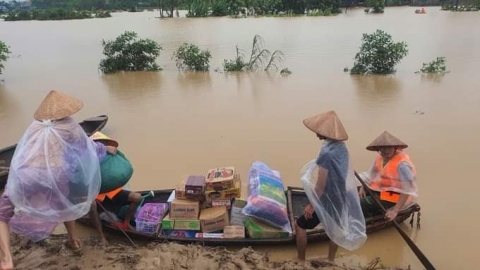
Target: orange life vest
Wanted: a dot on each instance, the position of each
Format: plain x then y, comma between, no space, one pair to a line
388,178
101,197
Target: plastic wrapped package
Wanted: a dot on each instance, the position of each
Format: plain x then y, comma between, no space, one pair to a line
337,208
55,171
267,201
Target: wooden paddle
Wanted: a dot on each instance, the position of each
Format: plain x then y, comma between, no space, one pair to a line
112,220
423,259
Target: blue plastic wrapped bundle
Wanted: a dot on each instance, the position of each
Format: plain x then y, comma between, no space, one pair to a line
267,201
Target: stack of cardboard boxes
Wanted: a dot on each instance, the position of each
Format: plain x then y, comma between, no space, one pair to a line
199,206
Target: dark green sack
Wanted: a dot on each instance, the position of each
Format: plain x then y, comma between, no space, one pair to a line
116,171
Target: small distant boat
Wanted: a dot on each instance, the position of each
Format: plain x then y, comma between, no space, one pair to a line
89,125
420,11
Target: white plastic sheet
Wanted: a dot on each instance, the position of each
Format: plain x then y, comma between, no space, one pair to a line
337,208
55,172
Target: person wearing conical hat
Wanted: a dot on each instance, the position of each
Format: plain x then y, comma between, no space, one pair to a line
327,193
392,177
113,201
54,176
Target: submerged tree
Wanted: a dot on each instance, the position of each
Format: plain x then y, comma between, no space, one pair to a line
4,52
378,54
437,66
260,58
128,53
189,57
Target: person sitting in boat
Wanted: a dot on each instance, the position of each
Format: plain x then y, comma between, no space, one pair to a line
54,176
114,201
392,176
332,200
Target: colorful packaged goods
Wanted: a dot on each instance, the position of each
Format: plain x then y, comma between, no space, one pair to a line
180,233
220,178
187,224
195,187
180,191
222,202
184,209
148,219
267,201
234,232
236,215
259,229
168,223
213,219
234,192
209,235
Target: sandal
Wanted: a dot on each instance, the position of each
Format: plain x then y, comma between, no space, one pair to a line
75,248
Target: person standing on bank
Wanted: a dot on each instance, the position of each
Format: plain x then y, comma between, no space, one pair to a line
392,177
329,184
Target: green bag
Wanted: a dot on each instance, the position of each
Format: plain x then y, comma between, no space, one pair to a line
116,171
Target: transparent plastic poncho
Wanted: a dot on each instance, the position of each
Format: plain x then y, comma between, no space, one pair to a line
55,172
338,206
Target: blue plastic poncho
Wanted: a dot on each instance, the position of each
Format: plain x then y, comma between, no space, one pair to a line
55,172
338,206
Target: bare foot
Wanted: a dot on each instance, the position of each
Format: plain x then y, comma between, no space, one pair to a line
6,264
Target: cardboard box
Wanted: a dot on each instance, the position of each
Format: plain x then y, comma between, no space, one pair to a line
179,233
234,232
222,202
220,178
234,192
213,219
258,229
180,191
187,224
195,187
209,235
184,209
167,223
236,215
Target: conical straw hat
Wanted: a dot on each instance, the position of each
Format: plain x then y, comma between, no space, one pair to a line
328,125
386,139
57,105
99,136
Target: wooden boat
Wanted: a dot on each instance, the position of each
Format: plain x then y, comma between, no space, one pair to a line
296,199
90,125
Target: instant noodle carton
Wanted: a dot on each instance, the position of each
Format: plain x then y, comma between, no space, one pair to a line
233,192
167,223
195,187
184,209
220,178
234,232
236,215
180,191
213,219
258,229
180,233
187,224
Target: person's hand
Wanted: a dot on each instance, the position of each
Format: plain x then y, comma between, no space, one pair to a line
391,214
361,192
308,211
112,150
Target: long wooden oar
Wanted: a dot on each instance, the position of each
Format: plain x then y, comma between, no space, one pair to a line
111,218
423,259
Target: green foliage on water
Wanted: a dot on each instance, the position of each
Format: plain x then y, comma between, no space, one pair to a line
189,57
437,66
378,54
128,53
260,58
4,52
377,6
54,14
